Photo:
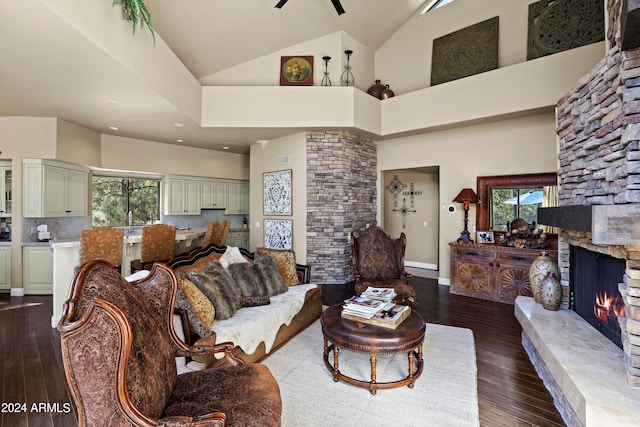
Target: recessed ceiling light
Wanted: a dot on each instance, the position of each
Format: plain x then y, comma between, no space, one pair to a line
114,128
179,140
112,102
225,148
178,125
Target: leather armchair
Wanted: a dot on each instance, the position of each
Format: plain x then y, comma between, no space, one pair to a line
119,349
378,261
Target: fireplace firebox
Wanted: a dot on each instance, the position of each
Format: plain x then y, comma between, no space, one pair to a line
594,295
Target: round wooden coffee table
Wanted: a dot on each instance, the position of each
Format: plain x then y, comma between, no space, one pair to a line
349,334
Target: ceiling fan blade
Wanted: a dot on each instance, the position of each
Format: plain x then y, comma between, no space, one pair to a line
338,6
281,3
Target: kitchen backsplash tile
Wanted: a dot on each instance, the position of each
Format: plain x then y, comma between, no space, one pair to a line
60,228
70,228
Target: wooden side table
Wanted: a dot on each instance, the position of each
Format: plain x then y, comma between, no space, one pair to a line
349,334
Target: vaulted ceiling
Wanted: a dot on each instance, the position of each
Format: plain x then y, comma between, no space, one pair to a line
212,35
51,68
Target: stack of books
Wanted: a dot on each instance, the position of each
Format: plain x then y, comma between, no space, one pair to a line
375,306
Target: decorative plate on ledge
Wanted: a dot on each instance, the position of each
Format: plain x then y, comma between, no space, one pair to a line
296,71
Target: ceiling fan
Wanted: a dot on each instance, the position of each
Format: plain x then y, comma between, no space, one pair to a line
336,4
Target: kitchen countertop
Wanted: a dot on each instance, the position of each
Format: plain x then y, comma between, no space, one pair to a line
181,235
8,243
35,243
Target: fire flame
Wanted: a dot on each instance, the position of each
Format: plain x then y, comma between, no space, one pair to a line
607,307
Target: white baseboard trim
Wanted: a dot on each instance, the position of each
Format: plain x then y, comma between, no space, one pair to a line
17,292
424,265
54,321
444,281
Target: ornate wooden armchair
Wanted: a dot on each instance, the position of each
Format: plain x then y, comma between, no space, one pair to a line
378,261
119,349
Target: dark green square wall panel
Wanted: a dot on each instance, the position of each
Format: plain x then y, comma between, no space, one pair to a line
471,50
559,25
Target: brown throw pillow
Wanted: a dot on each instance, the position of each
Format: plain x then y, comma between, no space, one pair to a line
200,310
220,288
259,278
286,263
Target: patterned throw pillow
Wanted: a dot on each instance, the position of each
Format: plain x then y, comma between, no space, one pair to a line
200,310
285,261
216,283
259,278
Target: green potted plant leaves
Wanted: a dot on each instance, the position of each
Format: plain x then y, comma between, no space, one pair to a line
136,12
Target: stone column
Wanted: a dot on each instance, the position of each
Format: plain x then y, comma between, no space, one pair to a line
341,198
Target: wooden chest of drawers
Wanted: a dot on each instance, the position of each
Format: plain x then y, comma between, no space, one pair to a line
492,272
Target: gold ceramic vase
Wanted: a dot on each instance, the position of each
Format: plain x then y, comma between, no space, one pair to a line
551,292
537,272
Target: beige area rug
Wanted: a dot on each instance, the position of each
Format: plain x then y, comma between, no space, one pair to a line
445,395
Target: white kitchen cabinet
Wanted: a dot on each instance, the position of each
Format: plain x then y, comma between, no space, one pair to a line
54,189
237,198
238,239
5,268
5,189
182,196
37,270
213,194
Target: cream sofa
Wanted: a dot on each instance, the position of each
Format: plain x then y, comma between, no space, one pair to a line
257,330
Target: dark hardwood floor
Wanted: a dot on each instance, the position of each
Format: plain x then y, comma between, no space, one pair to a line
509,390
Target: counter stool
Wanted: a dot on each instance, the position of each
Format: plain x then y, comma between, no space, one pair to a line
158,245
220,237
212,230
102,243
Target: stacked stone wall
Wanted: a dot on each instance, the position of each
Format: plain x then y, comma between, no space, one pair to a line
341,199
598,125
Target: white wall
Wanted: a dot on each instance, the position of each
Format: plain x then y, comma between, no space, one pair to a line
77,144
405,59
422,246
148,156
23,137
512,146
265,71
263,159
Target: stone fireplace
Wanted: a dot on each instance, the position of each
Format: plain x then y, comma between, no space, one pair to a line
594,381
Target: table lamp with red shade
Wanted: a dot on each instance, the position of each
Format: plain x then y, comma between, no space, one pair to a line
466,197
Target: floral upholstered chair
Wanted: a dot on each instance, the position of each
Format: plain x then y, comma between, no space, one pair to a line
158,245
378,261
119,349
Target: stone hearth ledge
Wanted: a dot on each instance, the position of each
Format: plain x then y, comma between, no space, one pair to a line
589,369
